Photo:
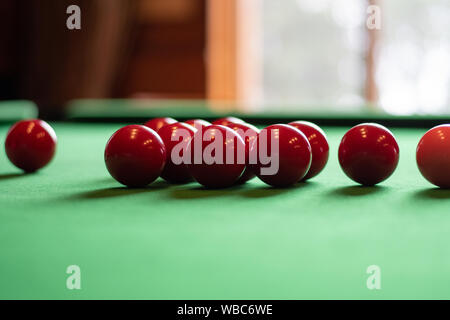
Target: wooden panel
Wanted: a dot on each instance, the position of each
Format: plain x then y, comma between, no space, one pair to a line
164,11
58,64
8,50
168,53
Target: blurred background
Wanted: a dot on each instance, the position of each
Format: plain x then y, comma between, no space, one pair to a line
247,56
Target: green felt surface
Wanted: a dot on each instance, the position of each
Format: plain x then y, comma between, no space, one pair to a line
253,242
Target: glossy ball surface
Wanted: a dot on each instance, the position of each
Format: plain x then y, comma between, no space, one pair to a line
319,146
293,156
135,156
158,123
176,138
198,123
433,156
368,154
206,170
249,134
30,144
227,121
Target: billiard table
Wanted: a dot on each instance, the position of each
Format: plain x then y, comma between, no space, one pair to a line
312,241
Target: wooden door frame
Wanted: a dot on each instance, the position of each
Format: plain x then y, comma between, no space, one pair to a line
234,52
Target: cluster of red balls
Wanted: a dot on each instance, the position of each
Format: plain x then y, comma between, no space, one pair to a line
136,155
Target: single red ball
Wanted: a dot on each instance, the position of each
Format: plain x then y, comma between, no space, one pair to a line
158,123
368,154
135,156
290,152
319,146
227,120
218,157
249,134
433,156
30,144
198,123
176,138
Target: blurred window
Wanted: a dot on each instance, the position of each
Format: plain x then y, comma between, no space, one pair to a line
314,54
414,63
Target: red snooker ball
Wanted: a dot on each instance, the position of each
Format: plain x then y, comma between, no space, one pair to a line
290,163
319,146
158,123
198,123
249,134
218,157
368,154
30,144
135,156
433,156
176,138
227,120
